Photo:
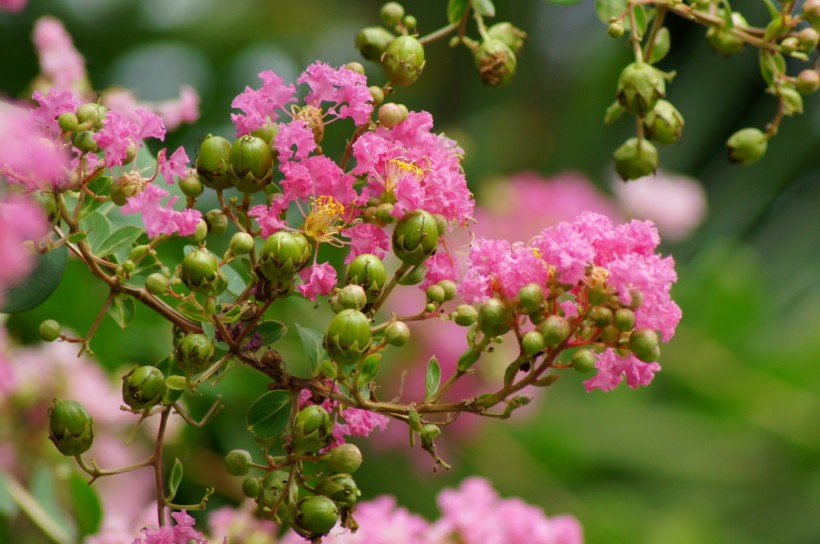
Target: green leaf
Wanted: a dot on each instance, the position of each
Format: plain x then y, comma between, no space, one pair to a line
312,343
8,508
608,9
86,503
122,309
771,65
119,240
468,359
370,366
662,44
271,331
98,228
268,416
563,2
433,378
176,383
100,185
44,490
456,9
640,20
189,310
235,282
613,112
484,8
174,479
39,284
415,276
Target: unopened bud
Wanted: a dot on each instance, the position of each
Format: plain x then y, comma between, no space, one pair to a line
67,121
191,186
403,60
415,237
157,284
530,297
49,330
238,462
532,342
555,329
615,29
212,162
624,319
635,159
372,42
509,34
143,387
250,163
194,353
465,315
241,243
747,145
341,489
643,342
583,361
367,271
397,333
392,13
312,429
722,40
348,336
639,88
496,63
808,81
493,317
283,255
391,114
70,427
315,516
199,270
345,458
664,124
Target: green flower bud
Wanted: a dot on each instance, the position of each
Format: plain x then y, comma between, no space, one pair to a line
346,458
624,319
664,124
811,12
808,38
315,516
124,188
409,22
191,186
415,237
212,162
341,489
267,132
143,387
200,232
272,487
217,222
198,270
792,100
67,121
494,317
609,334
635,159
643,342
639,88
530,297
509,34
348,336
251,488
808,81
583,361
496,63
241,243
49,330
449,287
194,353
367,271
157,284
789,45
355,67
403,60
84,141
465,315
615,30
397,333
435,293
429,433
747,145
601,316
377,94
70,427
251,164
555,330
352,297
722,40
283,255
391,114
532,342
392,13
312,429
91,114
238,462
372,42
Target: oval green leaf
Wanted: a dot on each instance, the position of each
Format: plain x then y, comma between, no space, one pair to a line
433,378
269,414
39,285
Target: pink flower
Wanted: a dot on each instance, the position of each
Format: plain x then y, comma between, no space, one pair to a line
20,220
500,267
341,86
260,105
294,134
120,132
13,5
353,422
568,250
182,533
28,154
612,368
60,63
318,279
270,218
366,238
177,165
51,105
160,218
174,112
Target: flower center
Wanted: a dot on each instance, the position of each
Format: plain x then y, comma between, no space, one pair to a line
324,219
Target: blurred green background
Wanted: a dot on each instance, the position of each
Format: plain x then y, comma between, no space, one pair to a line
724,447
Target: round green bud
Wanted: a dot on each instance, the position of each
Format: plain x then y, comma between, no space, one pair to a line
194,353
377,94
496,63
639,88
635,159
70,427
138,252
391,114
808,81
410,22
465,315
429,433
372,42
85,141
435,293
348,336
397,333
615,29
811,12
635,299
643,342
609,334
199,270
664,124
509,34
312,429
91,114
555,330
251,487
789,45
216,221
212,162
392,13
157,284
267,132
143,387
346,458
450,288
355,67
191,186
251,164
808,38
315,516
583,361
624,319
352,297
651,356
67,121
530,297
341,489
532,342
601,316
241,243
721,38
283,254
415,237
200,232
238,462
49,330
403,60
747,145
367,271
493,317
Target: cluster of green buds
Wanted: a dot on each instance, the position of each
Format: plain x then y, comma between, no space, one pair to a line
83,124
247,165
400,54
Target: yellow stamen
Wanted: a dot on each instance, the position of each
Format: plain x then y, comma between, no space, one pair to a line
324,219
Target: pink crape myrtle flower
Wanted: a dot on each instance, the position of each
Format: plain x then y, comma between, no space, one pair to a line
13,5
174,112
161,218
353,422
612,368
176,165
20,220
51,105
366,238
120,132
182,532
318,279
60,63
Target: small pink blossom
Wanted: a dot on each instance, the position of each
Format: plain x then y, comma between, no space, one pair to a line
270,218
345,88
51,105
568,250
161,218
294,134
176,165
181,533
13,5
366,238
612,368
174,112
60,63
20,220
120,132
260,105
318,279
28,153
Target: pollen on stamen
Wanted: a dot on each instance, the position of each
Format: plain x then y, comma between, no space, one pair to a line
324,219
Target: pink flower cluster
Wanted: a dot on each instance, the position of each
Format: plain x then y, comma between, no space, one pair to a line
13,5
60,63
181,533
356,422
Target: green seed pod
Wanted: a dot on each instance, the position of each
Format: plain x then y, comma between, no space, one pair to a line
415,237
435,293
351,297
789,45
70,427
496,63
811,12
250,163
635,159
391,114
199,270
377,94
348,336
601,316
397,333
251,488
410,22
639,88
283,255
532,342
312,429
157,284
722,40
241,243
346,458
372,42
530,297
341,489
143,387
315,516
615,30
403,60
194,353
212,162
355,67
584,361
49,330
200,232
91,114
450,288
217,222
808,81
643,342
664,124
367,271
609,334
272,487
747,145
624,319
465,315
238,462
555,330
84,141
392,13
67,121
191,186
494,317
807,37
509,34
